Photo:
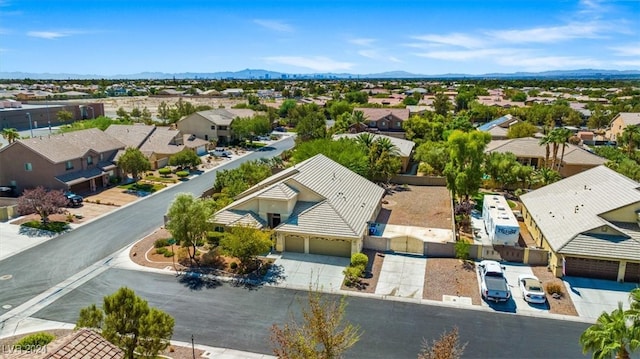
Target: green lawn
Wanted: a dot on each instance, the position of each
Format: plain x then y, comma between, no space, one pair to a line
146,187
51,226
161,179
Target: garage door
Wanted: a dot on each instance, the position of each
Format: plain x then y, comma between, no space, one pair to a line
294,244
330,247
591,268
632,273
162,162
83,187
407,245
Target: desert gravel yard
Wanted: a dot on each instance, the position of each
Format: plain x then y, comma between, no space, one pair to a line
421,206
450,277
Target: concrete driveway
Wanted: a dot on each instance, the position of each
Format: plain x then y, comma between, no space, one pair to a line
591,297
402,276
299,271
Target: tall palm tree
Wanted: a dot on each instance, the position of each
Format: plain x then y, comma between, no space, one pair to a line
10,134
612,334
366,139
631,138
546,141
385,144
563,136
545,176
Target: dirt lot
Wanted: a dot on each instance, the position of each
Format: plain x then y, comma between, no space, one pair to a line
448,276
422,206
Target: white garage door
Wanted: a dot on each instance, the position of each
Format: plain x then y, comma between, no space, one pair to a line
330,247
294,244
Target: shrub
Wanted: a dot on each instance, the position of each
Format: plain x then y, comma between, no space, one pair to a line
182,174
163,242
554,288
233,265
359,260
462,249
57,227
352,275
37,340
161,250
97,201
213,238
211,259
164,171
168,253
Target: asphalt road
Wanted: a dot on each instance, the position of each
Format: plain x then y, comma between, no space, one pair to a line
40,268
239,318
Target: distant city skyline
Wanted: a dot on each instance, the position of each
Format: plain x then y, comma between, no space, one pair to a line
422,37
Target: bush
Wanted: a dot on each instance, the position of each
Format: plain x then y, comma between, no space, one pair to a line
352,275
462,248
164,171
182,174
211,259
233,265
34,341
57,227
359,260
554,288
168,253
161,242
213,238
161,250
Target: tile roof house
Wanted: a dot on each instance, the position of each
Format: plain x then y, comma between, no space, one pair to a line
499,127
386,121
620,122
529,151
213,125
590,224
80,161
80,344
317,206
404,147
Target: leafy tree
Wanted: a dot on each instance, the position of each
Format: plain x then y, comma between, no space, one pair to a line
311,127
338,108
286,107
163,112
64,116
245,243
360,97
441,104
429,127
135,113
345,120
613,333
435,154
133,161
188,222
383,160
10,134
599,118
248,127
235,181
41,201
322,332
519,96
546,175
185,158
145,116
466,155
459,122
447,347
463,99
344,151
128,322
122,114
630,138
521,130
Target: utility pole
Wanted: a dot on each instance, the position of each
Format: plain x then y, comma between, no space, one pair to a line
193,348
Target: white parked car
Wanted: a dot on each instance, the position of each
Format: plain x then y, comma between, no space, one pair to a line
532,290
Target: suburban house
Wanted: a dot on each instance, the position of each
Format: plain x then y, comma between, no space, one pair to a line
213,125
404,147
82,343
499,127
80,161
528,151
589,223
385,121
317,206
157,143
620,122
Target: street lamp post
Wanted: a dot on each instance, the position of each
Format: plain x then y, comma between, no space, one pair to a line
30,125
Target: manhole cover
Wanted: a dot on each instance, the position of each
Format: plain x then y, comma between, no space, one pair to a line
6,306
6,277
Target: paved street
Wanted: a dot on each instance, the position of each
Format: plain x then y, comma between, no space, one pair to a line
240,318
42,267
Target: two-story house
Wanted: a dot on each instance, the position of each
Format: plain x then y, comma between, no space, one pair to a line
385,121
80,161
213,125
620,122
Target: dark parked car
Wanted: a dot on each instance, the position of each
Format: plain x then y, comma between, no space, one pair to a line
73,200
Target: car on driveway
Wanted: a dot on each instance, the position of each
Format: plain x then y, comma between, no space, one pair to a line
532,290
73,200
493,284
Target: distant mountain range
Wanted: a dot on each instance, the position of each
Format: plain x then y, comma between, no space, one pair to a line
249,74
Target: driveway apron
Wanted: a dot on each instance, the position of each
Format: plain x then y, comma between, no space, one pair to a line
402,276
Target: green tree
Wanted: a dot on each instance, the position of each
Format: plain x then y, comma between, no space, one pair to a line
521,130
122,114
185,158
337,108
145,116
163,112
10,134
429,127
128,322
546,141
188,222
286,107
434,154
562,136
441,104
136,114
235,181
630,138
248,127
613,333
245,243
463,99
360,97
133,161
546,175
466,156
311,127
322,332
447,347
344,151
519,96
42,202
64,116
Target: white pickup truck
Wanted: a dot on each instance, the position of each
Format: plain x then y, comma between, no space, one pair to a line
493,284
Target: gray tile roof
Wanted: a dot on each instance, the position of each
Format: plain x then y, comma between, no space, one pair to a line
80,176
620,247
279,191
530,147
131,135
576,205
629,118
348,200
223,116
234,217
71,145
405,147
375,114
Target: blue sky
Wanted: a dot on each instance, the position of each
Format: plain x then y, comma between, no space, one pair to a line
307,36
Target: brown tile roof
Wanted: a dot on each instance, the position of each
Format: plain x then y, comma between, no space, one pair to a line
530,147
161,141
224,116
81,344
71,145
375,114
130,135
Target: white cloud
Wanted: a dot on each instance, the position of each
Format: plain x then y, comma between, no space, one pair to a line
376,55
542,63
550,34
454,39
628,50
362,41
465,55
274,25
49,35
628,63
317,63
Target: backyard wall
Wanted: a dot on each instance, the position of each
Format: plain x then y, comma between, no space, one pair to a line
419,180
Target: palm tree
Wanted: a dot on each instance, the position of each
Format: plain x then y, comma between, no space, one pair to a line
613,334
634,300
546,141
563,136
10,134
385,144
631,138
545,176
366,139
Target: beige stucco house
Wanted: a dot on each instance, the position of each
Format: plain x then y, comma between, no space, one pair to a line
589,223
620,122
80,161
528,151
213,125
317,206
385,121
404,147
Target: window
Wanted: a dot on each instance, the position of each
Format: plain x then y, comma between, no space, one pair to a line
384,123
222,128
28,167
213,127
102,157
399,124
372,124
89,160
219,229
69,165
274,219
